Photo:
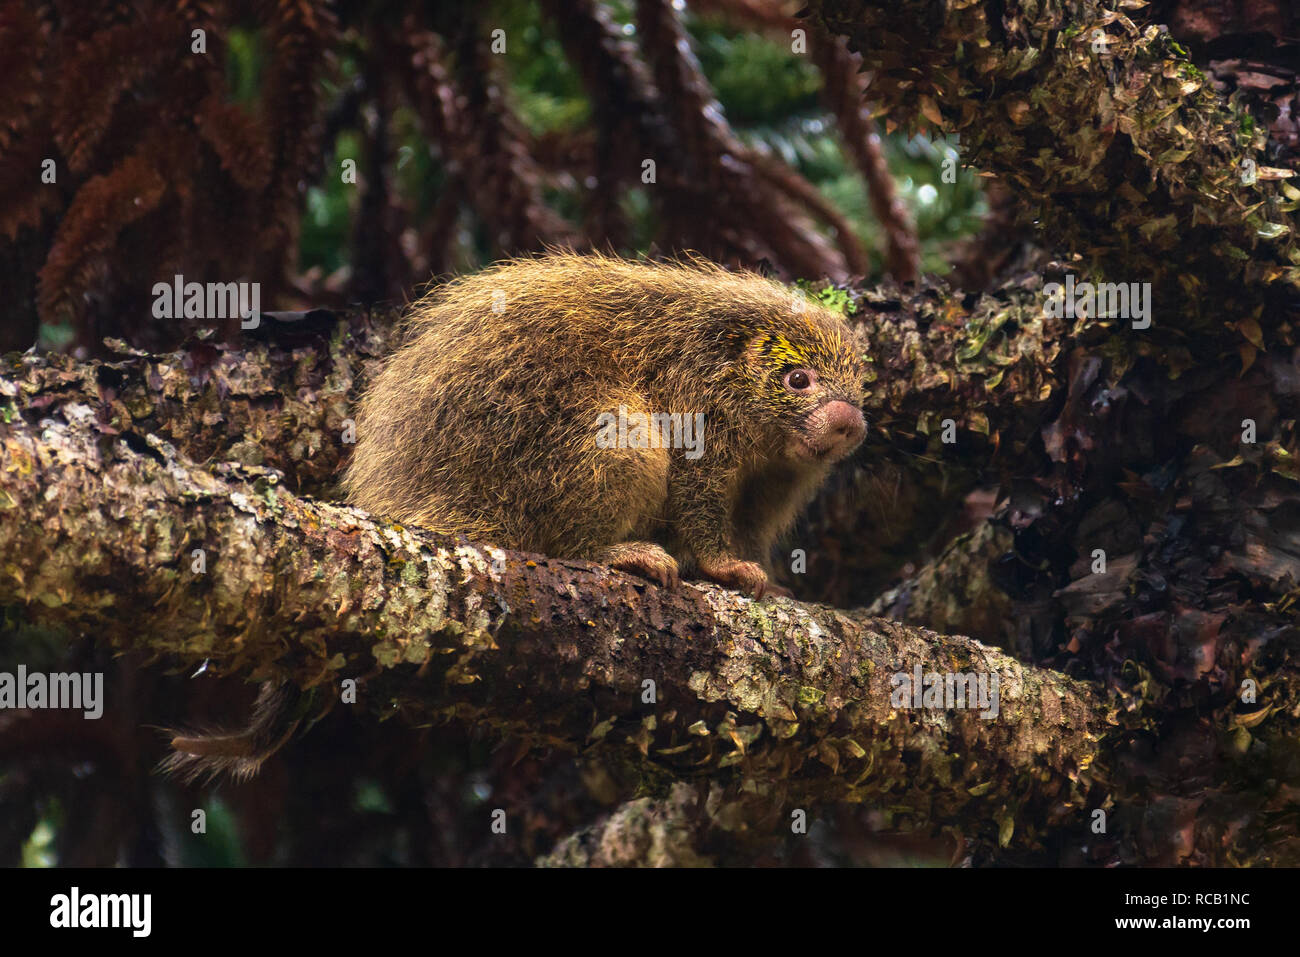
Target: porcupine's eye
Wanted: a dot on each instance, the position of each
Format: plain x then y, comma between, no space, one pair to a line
800,380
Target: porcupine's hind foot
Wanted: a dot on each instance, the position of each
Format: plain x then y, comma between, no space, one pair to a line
742,576
641,558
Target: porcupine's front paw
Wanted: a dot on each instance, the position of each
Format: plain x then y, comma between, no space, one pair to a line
747,577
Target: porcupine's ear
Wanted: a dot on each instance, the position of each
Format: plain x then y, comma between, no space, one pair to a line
277,713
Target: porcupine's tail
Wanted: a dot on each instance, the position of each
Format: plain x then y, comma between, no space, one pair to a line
277,714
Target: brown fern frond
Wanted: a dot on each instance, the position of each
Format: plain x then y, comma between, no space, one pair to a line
130,103
735,193
706,201
22,40
197,71
300,33
800,250
211,215
24,199
626,117
842,91
380,265
239,139
103,207
510,194
176,236
92,78
806,194
466,113
197,13
694,111
632,125
429,87
82,18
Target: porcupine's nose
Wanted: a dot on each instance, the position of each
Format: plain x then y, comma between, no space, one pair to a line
844,425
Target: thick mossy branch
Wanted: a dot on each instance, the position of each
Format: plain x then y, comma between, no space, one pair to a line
102,533
283,402
1114,140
